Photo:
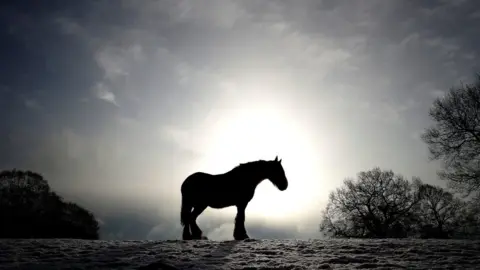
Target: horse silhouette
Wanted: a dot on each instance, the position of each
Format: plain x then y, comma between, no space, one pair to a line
233,188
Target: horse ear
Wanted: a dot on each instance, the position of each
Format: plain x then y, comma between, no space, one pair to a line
280,161
276,158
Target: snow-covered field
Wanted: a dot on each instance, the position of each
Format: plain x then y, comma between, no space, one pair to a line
249,254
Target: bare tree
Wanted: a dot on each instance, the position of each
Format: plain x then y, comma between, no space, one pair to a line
439,212
377,204
455,137
470,220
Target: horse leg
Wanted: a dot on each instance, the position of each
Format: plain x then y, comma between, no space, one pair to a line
196,232
186,232
239,232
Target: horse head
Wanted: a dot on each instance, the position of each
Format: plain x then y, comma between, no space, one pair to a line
276,174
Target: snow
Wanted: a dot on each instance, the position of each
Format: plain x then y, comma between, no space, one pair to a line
249,254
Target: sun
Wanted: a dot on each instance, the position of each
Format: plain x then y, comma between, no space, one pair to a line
261,131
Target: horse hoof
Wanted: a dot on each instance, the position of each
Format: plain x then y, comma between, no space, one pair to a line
243,237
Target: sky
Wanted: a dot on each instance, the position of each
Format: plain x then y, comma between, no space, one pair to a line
117,102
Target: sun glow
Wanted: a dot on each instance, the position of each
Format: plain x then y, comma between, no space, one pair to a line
262,131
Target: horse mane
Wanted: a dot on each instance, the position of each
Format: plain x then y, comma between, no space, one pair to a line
252,166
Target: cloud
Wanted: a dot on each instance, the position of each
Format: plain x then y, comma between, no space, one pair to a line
104,93
224,14
180,137
4,89
447,47
32,104
475,14
70,27
117,63
437,93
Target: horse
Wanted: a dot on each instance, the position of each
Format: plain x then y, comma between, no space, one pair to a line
233,188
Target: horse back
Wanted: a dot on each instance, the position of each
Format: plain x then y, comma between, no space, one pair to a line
195,180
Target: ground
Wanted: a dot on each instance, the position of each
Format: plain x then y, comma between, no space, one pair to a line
249,254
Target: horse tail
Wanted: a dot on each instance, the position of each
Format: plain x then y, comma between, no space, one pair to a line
186,207
185,211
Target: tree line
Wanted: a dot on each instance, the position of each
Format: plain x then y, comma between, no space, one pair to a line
383,204
30,209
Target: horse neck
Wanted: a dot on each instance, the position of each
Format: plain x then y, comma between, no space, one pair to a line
256,179
252,178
